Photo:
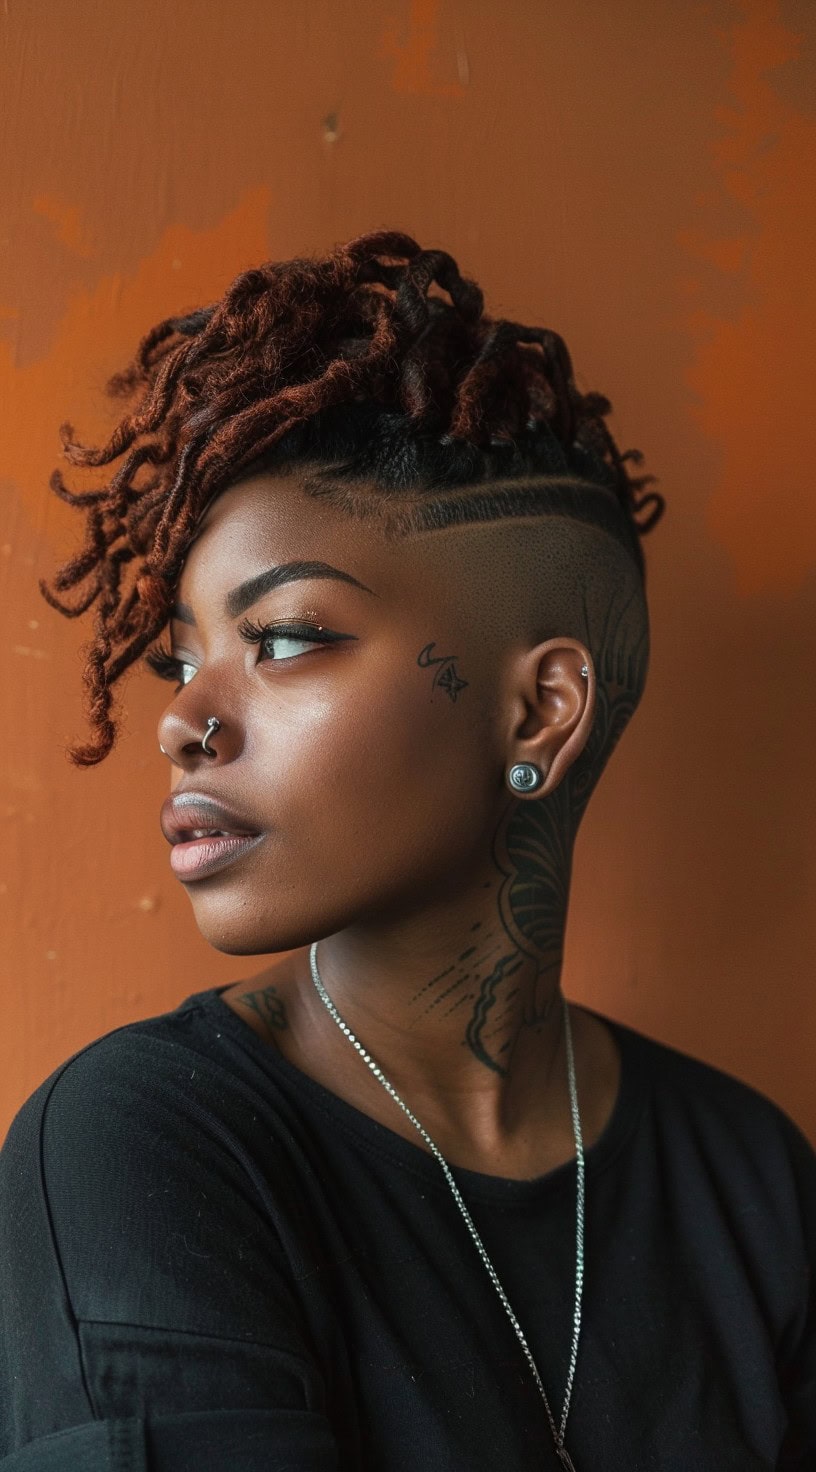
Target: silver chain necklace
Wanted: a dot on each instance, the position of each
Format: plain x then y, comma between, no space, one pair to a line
557,1432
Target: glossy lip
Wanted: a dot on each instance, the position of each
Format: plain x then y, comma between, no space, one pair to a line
200,857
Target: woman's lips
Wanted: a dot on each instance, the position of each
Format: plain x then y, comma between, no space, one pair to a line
198,857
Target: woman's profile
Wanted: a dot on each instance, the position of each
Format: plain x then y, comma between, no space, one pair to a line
390,1203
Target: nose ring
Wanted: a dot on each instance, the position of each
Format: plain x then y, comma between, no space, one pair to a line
213,725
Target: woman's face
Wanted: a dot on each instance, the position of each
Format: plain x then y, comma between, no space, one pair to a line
369,763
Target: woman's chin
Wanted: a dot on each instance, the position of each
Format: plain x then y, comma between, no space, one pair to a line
248,927
239,945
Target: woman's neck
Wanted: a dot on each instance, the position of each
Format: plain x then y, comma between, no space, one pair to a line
519,1127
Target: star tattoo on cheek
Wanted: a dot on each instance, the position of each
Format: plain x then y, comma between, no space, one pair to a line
446,677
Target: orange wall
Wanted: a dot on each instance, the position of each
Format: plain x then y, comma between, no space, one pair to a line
639,176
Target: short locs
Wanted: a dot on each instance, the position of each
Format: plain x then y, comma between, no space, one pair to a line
345,363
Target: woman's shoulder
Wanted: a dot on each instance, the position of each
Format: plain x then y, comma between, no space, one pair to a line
138,1052
693,1096
165,1077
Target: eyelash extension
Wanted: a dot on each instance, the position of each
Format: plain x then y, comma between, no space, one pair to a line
168,666
257,633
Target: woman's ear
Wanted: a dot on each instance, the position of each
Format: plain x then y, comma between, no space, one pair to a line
559,707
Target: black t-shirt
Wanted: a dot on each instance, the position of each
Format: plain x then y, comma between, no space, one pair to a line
210,1263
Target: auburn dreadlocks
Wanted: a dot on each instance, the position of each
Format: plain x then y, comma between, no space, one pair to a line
347,367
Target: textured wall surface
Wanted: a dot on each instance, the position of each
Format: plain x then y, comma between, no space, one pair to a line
639,176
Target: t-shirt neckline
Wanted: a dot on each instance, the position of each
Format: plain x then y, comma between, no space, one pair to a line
384,1142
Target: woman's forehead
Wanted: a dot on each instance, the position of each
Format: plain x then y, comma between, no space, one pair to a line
269,529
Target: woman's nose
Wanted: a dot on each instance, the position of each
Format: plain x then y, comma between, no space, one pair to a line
183,746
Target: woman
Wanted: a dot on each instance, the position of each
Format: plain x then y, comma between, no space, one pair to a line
389,1203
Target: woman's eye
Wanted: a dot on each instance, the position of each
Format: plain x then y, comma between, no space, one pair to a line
277,646
168,666
285,646
284,642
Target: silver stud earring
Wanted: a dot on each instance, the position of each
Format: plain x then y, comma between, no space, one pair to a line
585,671
525,777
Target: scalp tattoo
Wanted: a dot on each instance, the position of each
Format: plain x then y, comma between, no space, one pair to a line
446,677
532,860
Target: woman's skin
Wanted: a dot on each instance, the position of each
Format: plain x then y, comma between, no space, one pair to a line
375,766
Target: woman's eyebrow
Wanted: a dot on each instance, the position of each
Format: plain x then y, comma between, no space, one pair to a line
243,597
